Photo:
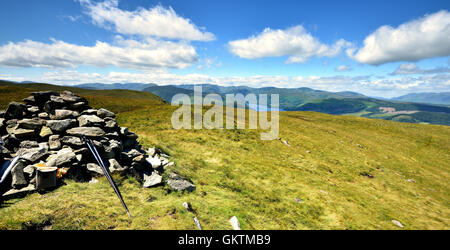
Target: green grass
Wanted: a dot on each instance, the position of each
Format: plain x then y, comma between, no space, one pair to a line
258,181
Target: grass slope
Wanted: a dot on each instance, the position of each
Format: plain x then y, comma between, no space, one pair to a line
258,181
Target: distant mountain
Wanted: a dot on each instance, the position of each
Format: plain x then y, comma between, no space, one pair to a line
338,103
433,98
167,92
290,98
129,86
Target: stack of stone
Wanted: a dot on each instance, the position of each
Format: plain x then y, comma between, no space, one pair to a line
48,131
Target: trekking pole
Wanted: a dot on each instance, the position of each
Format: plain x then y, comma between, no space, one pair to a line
97,157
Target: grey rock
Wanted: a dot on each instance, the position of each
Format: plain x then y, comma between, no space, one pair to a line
152,180
111,124
29,100
33,110
42,97
133,153
86,131
113,135
33,154
151,152
15,110
62,158
179,184
45,132
112,149
102,113
89,112
61,125
43,115
95,168
187,206
90,121
70,97
235,223
54,142
397,223
21,133
114,166
34,124
15,192
72,141
30,170
56,99
29,144
18,178
61,114
124,131
155,162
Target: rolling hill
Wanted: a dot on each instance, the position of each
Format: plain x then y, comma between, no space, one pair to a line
337,103
338,172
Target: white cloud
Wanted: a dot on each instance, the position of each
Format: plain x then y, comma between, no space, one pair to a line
411,68
368,85
426,37
157,21
344,68
146,54
294,42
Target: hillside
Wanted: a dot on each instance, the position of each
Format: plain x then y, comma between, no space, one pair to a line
129,86
432,98
337,103
339,172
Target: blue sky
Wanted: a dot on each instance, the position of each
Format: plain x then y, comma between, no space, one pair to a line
378,48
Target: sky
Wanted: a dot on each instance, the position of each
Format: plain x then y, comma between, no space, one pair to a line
377,48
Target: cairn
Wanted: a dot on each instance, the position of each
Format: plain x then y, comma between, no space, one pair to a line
48,130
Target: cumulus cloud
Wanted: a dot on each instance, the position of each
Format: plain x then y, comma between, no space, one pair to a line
426,37
157,21
411,68
368,85
343,68
294,42
133,54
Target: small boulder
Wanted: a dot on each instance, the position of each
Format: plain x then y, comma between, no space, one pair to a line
15,110
95,168
102,113
61,125
235,223
114,166
177,183
90,121
397,223
61,114
33,154
152,180
64,157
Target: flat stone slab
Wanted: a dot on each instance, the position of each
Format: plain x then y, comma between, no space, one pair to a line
86,131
